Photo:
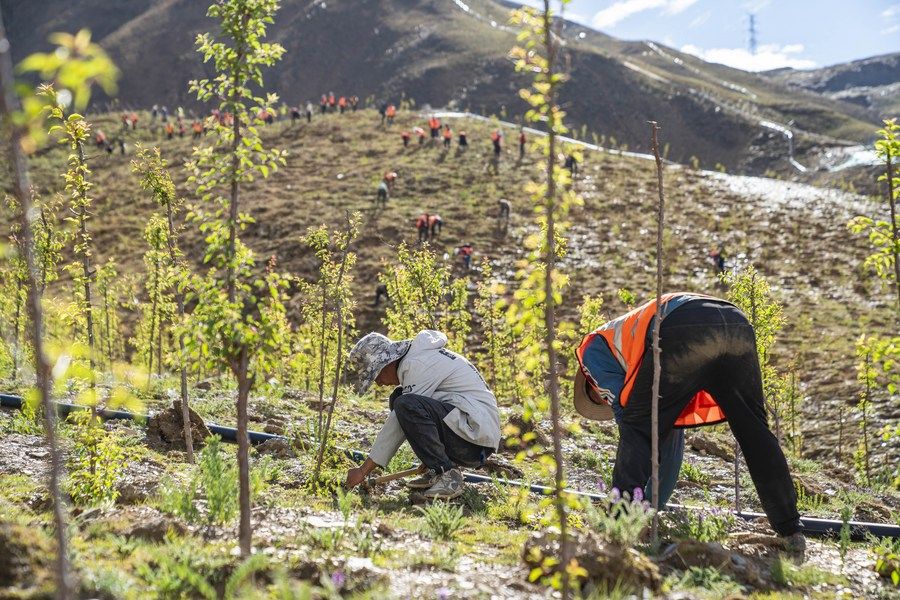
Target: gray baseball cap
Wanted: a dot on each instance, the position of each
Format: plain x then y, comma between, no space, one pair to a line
371,354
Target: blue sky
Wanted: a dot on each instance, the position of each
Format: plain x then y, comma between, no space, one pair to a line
790,33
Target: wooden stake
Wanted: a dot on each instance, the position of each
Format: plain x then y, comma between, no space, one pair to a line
657,366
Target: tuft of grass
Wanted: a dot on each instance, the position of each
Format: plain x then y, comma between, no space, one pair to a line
442,519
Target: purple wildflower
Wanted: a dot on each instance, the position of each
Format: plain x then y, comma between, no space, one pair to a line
338,579
638,495
615,494
601,485
443,593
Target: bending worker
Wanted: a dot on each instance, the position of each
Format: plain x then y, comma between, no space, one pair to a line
442,407
710,373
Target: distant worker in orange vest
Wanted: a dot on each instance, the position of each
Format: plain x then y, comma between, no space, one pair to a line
332,101
342,104
170,130
390,113
435,125
466,251
448,136
405,137
709,373
197,127
497,140
100,138
420,133
422,225
435,224
323,103
389,178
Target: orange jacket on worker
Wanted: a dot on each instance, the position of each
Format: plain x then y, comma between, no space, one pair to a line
448,134
618,347
391,111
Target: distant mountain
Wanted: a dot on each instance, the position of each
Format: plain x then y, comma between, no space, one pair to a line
453,53
873,83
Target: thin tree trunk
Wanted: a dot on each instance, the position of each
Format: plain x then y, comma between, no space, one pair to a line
841,434
16,327
151,333
338,359
865,422
320,408
9,104
182,358
550,307
657,365
896,236
86,268
244,383
106,320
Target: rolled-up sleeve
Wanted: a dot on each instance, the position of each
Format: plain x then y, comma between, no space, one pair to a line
388,441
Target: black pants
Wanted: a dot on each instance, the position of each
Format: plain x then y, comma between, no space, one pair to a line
436,445
708,345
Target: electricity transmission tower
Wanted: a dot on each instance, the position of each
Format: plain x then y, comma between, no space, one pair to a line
752,33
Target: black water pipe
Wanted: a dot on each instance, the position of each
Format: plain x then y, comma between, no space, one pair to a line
811,525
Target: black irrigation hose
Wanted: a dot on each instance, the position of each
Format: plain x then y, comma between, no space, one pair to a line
811,525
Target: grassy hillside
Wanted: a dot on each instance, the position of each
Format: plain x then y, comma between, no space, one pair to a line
795,235
444,53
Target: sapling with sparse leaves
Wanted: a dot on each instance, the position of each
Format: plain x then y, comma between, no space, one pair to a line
239,315
76,65
160,305
541,283
156,179
424,295
497,357
884,234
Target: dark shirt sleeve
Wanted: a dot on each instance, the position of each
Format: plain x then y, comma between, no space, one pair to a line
604,370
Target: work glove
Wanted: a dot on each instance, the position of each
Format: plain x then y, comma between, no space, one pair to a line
398,391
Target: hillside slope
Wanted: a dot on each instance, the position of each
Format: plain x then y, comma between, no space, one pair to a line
450,53
873,83
794,234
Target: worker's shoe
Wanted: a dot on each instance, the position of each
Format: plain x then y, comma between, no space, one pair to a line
424,481
448,485
795,545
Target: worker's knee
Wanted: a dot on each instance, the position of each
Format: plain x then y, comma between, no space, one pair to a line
407,404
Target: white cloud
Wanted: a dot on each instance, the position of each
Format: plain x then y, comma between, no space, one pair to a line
678,6
890,30
891,11
622,9
769,56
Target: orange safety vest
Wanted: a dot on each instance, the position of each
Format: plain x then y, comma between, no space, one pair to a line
391,110
342,101
626,338
448,134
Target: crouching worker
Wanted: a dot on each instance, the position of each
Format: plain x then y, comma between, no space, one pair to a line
710,373
442,407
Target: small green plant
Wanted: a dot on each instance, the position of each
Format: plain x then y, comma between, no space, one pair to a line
218,482
887,558
714,582
784,572
442,519
621,520
809,503
689,472
96,462
701,525
844,539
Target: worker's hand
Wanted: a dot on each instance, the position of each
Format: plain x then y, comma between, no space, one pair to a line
355,477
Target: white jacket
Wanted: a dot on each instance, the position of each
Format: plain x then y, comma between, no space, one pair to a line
429,369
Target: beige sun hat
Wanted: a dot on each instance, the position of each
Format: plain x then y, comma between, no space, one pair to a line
585,405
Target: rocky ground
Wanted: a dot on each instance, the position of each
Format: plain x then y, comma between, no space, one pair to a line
380,546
